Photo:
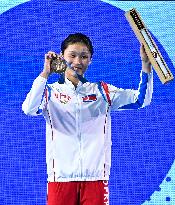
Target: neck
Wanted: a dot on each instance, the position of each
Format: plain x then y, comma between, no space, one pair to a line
74,80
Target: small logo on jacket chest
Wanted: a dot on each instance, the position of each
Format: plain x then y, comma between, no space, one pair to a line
63,98
89,98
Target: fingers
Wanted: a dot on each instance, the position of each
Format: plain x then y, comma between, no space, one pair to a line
143,52
50,55
142,48
54,62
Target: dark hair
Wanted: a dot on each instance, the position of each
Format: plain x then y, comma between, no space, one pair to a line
77,38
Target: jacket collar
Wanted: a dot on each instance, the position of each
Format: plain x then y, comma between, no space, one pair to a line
62,79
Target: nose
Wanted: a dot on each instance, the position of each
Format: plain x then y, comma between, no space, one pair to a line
77,60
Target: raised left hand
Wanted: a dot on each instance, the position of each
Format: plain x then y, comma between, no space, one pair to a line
146,64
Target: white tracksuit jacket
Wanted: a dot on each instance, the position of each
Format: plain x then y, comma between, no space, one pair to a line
78,124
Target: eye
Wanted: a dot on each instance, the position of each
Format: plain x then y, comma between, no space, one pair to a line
84,57
72,56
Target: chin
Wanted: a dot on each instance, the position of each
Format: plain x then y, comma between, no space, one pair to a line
80,73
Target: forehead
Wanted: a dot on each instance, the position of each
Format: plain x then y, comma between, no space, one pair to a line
78,47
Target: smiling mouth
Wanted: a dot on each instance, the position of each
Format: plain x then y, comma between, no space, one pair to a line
77,68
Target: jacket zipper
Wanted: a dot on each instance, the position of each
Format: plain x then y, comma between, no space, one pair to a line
79,132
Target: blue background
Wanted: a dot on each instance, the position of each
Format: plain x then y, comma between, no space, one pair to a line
143,149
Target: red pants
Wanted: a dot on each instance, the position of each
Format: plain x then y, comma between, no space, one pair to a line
78,193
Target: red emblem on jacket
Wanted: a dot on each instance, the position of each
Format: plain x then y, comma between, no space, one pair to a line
90,98
62,97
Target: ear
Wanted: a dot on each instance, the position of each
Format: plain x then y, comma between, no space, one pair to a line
61,54
90,61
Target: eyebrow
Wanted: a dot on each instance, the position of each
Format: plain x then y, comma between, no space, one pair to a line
84,52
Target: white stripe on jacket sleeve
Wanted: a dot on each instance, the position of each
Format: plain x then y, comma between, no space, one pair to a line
133,99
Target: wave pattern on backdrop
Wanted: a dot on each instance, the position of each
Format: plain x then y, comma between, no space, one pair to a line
143,147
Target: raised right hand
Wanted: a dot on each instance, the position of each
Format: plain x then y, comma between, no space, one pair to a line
47,70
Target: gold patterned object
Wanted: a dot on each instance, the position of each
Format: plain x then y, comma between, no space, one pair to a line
150,46
58,64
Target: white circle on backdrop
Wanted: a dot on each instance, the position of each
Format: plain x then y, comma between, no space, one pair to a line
158,16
